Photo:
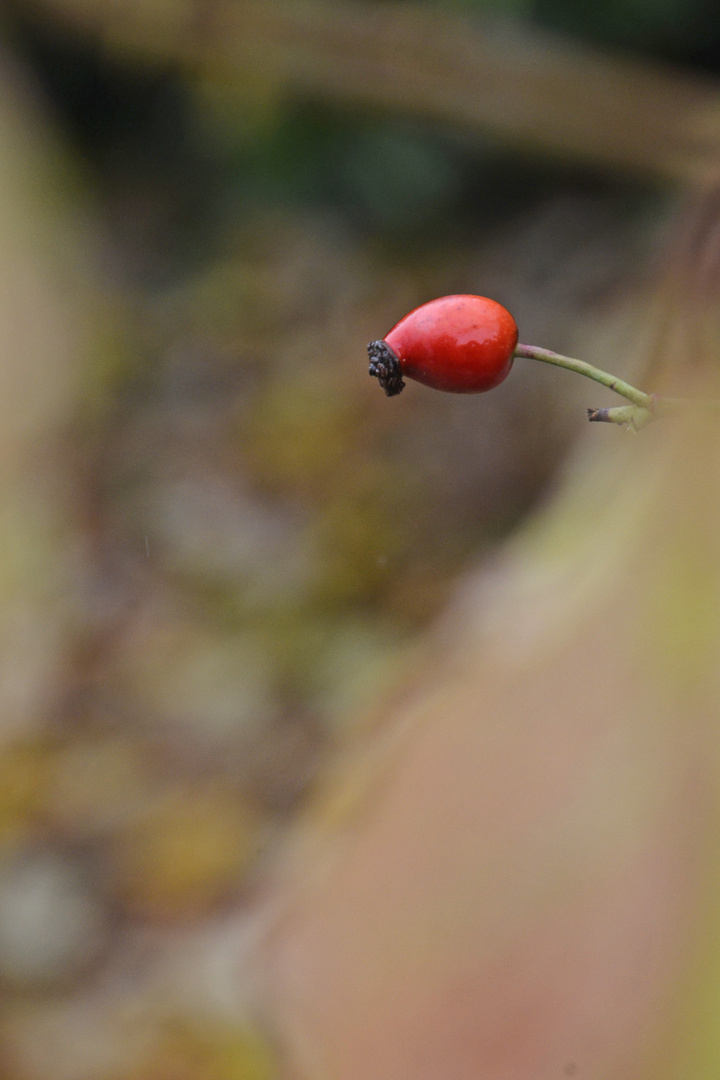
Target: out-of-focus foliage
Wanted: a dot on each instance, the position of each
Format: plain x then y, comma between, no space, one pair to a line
219,545
525,882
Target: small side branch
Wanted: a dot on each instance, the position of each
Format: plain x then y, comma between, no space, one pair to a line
634,416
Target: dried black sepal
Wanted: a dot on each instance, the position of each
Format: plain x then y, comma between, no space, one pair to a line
385,367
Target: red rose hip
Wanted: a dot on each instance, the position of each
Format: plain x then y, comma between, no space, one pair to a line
463,344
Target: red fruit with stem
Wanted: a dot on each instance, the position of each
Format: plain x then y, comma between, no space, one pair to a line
463,344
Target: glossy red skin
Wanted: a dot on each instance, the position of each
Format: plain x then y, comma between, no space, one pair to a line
463,344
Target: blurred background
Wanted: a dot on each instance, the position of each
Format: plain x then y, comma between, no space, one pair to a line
221,546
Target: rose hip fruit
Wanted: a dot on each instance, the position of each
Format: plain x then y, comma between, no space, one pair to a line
463,344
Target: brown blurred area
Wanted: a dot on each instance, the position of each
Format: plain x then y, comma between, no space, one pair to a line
288,786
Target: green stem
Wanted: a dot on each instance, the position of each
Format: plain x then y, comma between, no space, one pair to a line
643,408
637,397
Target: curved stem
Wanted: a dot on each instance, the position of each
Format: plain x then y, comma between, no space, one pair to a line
637,397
